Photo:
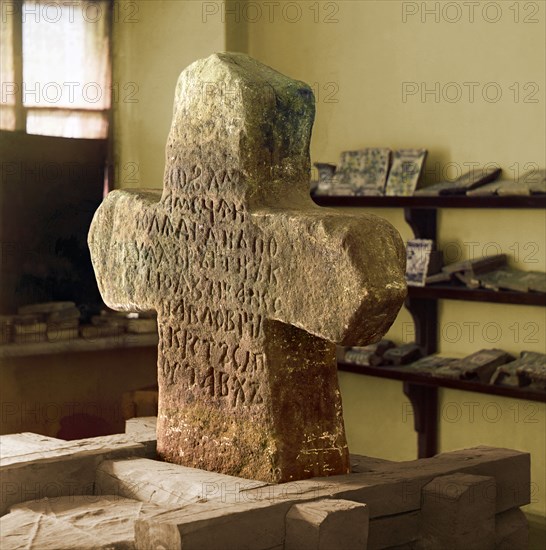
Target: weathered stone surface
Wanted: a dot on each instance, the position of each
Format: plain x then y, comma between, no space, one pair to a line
395,530
327,524
12,445
458,511
252,282
511,530
389,489
76,522
211,525
396,487
142,425
167,484
62,470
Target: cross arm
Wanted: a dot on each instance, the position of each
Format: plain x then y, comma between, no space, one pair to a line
121,246
340,277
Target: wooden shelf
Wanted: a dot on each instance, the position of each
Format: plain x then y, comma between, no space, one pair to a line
421,214
456,201
452,292
405,375
76,345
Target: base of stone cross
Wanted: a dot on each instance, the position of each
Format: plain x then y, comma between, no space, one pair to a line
109,492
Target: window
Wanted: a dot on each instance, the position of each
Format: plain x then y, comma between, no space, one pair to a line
55,67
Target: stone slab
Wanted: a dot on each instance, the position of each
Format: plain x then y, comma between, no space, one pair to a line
142,424
169,485
327,524
388,488
361,464
396,487
511,530
76,522
458,511
213,526
395,530
12,445
68,469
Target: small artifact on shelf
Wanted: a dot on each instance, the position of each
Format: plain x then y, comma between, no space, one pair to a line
531,183
484,264
92,332
470,272
45,308
532,370
402,355
122,321
536,181
325,182
430,363
116,319
142,325
61,320
362,172
470,180
508,375
479,366
421,261
509,278
407,165
440,277
362,357
371,355
6,329
29,328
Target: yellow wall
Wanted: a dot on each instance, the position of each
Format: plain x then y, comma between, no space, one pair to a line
154,41
88,385
359,56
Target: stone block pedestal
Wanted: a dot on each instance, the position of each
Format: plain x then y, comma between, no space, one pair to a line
110,492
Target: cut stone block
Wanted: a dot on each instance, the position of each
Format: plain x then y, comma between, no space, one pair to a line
143,425
68,469
12,445
511,530
215,526
327,524
392,531
247,373
458,511
361,464
388,488
75,522
396,487
167,484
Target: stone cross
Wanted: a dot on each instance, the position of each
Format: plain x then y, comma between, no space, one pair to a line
252,282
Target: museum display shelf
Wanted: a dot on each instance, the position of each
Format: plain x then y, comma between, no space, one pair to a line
460,292
446,201
76,345
406,375
422,302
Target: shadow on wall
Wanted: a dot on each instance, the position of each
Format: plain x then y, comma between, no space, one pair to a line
49,190
80,426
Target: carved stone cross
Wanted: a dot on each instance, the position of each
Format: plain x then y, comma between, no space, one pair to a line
252,282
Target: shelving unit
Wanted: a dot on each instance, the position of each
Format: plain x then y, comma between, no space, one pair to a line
77,345
422,302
